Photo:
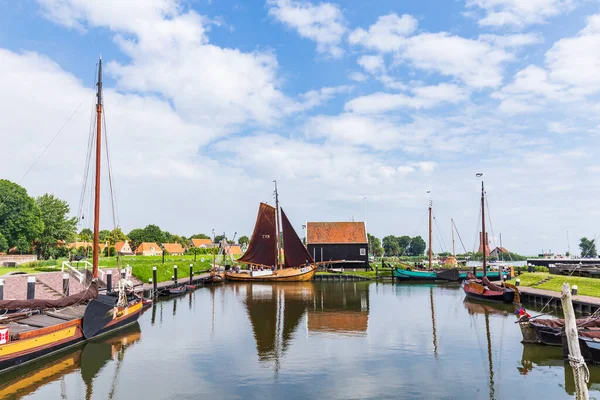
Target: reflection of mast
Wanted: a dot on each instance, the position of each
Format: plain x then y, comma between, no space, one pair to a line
435,352
489,349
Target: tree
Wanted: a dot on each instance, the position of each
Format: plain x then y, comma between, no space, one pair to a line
136,237
200,236
109,251
390,245
57,225
86,235
152,233
116,235
374,245
218,238
417,246
3,244
20,218
587,247
103,234
403,243
243,240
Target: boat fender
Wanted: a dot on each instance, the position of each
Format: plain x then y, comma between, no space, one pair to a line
4,335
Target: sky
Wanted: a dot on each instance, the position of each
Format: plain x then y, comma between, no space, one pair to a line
357,108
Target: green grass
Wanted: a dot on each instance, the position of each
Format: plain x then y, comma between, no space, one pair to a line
585,286
141,266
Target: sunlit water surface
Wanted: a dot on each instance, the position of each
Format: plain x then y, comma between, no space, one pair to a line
308,340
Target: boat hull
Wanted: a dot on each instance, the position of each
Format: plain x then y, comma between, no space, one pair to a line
475,292
282,275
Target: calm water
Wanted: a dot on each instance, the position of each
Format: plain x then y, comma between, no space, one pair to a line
310,340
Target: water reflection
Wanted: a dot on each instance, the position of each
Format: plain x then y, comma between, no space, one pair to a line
89,359
341,308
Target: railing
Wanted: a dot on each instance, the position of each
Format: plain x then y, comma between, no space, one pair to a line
80,275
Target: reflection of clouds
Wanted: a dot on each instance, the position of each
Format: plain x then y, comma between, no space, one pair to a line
193,355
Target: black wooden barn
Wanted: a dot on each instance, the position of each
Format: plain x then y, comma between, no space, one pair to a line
338,241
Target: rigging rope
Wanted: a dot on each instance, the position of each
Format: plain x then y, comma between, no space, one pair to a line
55,136
459,238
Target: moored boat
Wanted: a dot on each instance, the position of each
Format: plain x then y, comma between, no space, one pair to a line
263,254
484,289
46,327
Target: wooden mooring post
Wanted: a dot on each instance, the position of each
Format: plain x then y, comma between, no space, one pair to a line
1,289
580,370
154,283
66,284
30,287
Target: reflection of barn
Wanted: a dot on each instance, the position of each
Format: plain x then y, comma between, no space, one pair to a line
341,308
338,241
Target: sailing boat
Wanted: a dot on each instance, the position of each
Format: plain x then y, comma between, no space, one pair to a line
264,256
484,289
37,328
430,274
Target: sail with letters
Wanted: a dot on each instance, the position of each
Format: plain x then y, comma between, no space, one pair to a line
294,252
262,249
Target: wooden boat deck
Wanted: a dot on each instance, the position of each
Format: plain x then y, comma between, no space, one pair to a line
45,320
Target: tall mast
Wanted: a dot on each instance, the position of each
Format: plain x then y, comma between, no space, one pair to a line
452,229
213,250
278,246
98,159
483,241
430,249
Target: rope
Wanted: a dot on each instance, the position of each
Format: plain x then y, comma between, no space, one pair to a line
55,136
577,363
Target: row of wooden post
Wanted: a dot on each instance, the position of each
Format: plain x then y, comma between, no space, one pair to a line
154,280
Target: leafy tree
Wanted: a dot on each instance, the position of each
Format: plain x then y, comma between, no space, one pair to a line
243,240
136,237
57,225
178,239
103,234
417,246
109,251
587,247
20,218
390,245
200,236
218,238
116,235
152,233
3,244
375,245
86,235
403,243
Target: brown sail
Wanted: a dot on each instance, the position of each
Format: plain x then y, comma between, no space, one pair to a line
262,248
294,252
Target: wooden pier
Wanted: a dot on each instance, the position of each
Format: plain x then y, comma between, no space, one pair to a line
147,288
540,297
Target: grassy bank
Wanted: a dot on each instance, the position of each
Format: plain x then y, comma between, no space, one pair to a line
585,286
141,265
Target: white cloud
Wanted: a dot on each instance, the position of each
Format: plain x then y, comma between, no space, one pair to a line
322,23
423,97
372,63
476,63
358,76
516,40
386,35
315,98
170,54
519,13
576,60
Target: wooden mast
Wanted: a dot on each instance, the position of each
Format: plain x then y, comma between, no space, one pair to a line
483,241
278,246
430,249
95,246
452,229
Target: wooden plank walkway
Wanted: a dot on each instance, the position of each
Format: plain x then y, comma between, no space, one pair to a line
582,304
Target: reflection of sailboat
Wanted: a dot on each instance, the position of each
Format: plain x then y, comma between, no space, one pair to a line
340,308
264,252
90,358
435,353
275,312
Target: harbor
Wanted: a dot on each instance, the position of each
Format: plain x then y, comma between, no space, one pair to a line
250,340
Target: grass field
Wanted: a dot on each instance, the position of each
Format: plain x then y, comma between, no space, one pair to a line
141,266
585,286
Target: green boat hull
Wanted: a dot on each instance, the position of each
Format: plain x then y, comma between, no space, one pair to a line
409,275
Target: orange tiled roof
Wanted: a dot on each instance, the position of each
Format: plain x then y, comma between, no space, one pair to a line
234,250
338,321
173,247
200,242
335,232
146,247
